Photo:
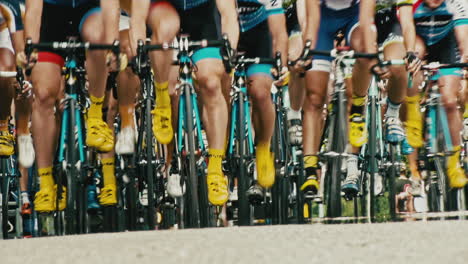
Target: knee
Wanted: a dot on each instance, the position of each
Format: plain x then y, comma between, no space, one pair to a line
260,94
313,101
398,72
450,102
210,83
43,98
166,32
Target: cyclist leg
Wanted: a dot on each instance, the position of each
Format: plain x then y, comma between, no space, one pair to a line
127,87
98,133
7,63
108,195
165,24
296,91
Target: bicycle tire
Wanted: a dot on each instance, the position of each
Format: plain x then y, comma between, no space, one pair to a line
338,145
372,150
71,223
5,179
150,157
393,174
194,215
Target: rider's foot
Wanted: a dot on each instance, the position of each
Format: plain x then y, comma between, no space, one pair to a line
394,130
351,183
45,200
99,135
295,127
455,173
108,195
7,143
358,130
311,183
174,188
265,166
255,194
125,141
217,188
26,150
233,195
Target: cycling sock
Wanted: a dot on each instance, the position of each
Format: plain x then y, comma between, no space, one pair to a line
45,178
126,115
310,165
25,197
215,159
95,110
358,104
293,114
4,125
352,164
413,109
465,114
393,110
108,171
263,147
162,94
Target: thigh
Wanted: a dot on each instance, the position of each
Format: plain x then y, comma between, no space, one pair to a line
46,78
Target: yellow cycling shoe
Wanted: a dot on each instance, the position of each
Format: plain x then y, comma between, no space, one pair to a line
7,143
99,135
414,133
217,188
265,168
357,130
108,195
162,126
457,178
310,185
44,201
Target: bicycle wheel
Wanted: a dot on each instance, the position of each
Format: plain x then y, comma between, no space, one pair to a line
243,154
5,195
150,156
190,163
338,144
392,174
372,151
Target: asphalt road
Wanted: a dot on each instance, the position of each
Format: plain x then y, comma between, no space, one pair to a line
408,242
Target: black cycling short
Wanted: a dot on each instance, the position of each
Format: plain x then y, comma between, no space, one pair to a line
58,23
388,27
445,51
292,21
200,22
256,42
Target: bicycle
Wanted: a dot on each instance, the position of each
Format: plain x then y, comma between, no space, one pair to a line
190,150
71,157
438,145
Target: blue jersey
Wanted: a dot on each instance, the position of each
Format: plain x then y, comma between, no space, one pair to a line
188,4
254,12
69,3
434,25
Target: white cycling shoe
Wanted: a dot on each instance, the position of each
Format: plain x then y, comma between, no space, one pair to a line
174,189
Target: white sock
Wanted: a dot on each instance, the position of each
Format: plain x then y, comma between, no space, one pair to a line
393,110
25,197
292,114
352,164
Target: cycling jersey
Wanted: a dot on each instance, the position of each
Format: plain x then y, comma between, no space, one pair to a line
387,4
254,12
435,25
12,15
338,4
70,3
